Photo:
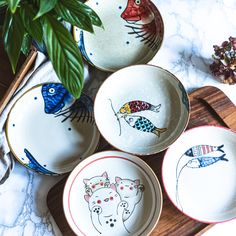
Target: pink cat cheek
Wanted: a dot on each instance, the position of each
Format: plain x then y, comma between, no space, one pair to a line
121,188
93,186
131,188
101,184
99,201
111,198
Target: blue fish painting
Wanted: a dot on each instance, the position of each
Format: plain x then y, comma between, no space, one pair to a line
143,124
33,164
82,47
198,157
80,110
204,161
55,97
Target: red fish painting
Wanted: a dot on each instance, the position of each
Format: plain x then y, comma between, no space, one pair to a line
145,21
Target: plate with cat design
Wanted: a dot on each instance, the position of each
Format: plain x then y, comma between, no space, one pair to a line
132,33
112,193
50,132
141,109
199,174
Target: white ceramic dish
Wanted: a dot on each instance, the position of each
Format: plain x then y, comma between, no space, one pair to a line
199,174
49,132
132,33
141,109
112,193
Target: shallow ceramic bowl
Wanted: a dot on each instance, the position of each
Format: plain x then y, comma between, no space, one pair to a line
112,193
141,109
199,174
49,132
132,33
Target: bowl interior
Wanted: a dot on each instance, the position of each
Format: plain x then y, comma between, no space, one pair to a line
48,131
139,35
199,174
112,193
141,109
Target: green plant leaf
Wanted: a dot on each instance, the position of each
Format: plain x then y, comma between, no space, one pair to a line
33,27
13,33
64,55
13,4
90,12
70,12
3,3
45,6
25,47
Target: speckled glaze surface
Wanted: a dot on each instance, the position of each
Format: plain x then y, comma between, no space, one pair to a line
49,132
108,192
131,26
204,163
146,109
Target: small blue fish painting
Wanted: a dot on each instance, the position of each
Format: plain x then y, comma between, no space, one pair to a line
143,124
197,157
204,161
55,97
33,164
82,47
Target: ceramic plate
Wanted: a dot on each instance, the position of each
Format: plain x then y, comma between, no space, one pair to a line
49,132
141,109
199,174
112,193
132,33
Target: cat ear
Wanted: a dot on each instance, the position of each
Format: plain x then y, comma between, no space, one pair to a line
117,179
87,197
113,187
105,174
86,181
137,182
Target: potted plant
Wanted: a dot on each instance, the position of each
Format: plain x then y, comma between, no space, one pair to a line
42,21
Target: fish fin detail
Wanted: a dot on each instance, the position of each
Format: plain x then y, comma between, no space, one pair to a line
220,148
155,108
158,131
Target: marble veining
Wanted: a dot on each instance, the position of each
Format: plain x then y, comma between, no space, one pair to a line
192,27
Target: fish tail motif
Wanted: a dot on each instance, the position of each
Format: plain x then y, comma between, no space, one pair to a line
159,131
155,108
220,148
222,158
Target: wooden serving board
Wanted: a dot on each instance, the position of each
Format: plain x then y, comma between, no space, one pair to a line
209,106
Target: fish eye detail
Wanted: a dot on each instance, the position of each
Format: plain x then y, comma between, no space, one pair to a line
137,2
131,119
51,90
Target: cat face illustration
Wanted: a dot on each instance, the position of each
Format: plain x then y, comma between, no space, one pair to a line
127,188
95,183
106,198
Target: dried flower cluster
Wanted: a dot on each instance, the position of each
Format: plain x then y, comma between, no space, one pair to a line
224,65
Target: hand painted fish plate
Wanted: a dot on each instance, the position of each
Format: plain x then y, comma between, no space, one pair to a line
49,132
141,109
199,174
112,193
132,33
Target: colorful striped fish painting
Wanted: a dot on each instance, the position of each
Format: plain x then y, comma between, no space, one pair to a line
137,106
201,150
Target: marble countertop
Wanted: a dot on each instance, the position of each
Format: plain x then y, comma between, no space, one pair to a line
192,27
